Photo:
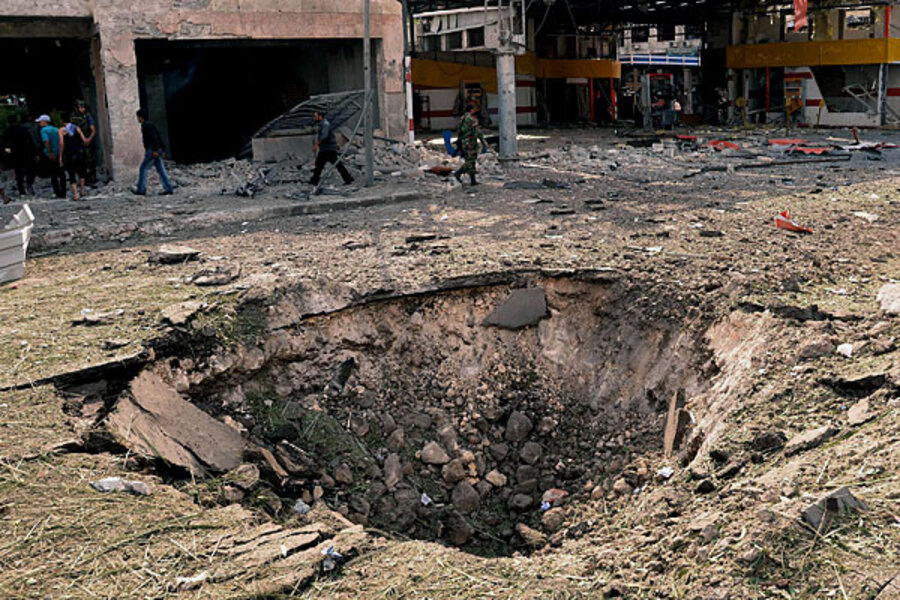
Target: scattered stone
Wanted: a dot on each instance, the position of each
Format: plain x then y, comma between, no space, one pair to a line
749,556
809,439
393,471
301,508
523,308
343,474
530,453
245,476
232,494
554,496
454,471
496,478
180,314
465,497
359,505
531,537
170,254
766,515
221,275
838,503
768,441
730,470
520,501
458,530
117,484
889,298
706,486
816,350
433,454
499,451
517,427
709,533
859,413
553,519
396,441
622,487
719,456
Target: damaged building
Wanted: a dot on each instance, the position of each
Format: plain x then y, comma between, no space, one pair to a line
834,65
210,73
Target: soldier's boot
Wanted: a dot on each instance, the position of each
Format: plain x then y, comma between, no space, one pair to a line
458,174
472,178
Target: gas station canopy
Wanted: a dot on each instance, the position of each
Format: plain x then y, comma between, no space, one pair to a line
634,11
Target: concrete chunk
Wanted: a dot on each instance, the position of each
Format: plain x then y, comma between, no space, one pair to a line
677,422
838,503
524,308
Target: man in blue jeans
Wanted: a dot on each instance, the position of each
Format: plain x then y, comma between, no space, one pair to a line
154,150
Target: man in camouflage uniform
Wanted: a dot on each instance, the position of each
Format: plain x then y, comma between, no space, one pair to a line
469,135
82,119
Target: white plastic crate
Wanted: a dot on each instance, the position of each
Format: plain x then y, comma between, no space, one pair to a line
14,238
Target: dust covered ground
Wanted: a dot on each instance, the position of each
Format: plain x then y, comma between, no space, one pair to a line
768,313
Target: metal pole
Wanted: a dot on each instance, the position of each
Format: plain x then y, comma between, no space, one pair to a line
407,76
367,74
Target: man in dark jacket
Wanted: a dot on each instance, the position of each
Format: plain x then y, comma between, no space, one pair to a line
154,151
21,151
326,151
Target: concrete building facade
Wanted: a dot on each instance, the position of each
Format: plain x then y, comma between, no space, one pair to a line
205,69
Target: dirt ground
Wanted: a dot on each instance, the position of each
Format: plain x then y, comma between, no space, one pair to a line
775,307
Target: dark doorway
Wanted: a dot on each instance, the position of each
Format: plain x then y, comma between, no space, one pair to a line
46,75
209,98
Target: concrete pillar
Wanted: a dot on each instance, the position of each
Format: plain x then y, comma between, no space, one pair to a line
119,65
506,86
688,96
732,92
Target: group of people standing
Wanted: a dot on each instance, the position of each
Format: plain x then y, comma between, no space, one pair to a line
41,149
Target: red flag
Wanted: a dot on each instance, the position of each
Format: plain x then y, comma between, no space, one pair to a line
800,20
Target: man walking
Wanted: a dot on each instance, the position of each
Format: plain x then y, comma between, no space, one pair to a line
50,137
326,151
154,151
20,149
469,135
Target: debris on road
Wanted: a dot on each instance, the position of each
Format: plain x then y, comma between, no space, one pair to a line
784,221
117,484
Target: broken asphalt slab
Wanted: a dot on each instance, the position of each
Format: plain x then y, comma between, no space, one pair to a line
523,308
154,421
